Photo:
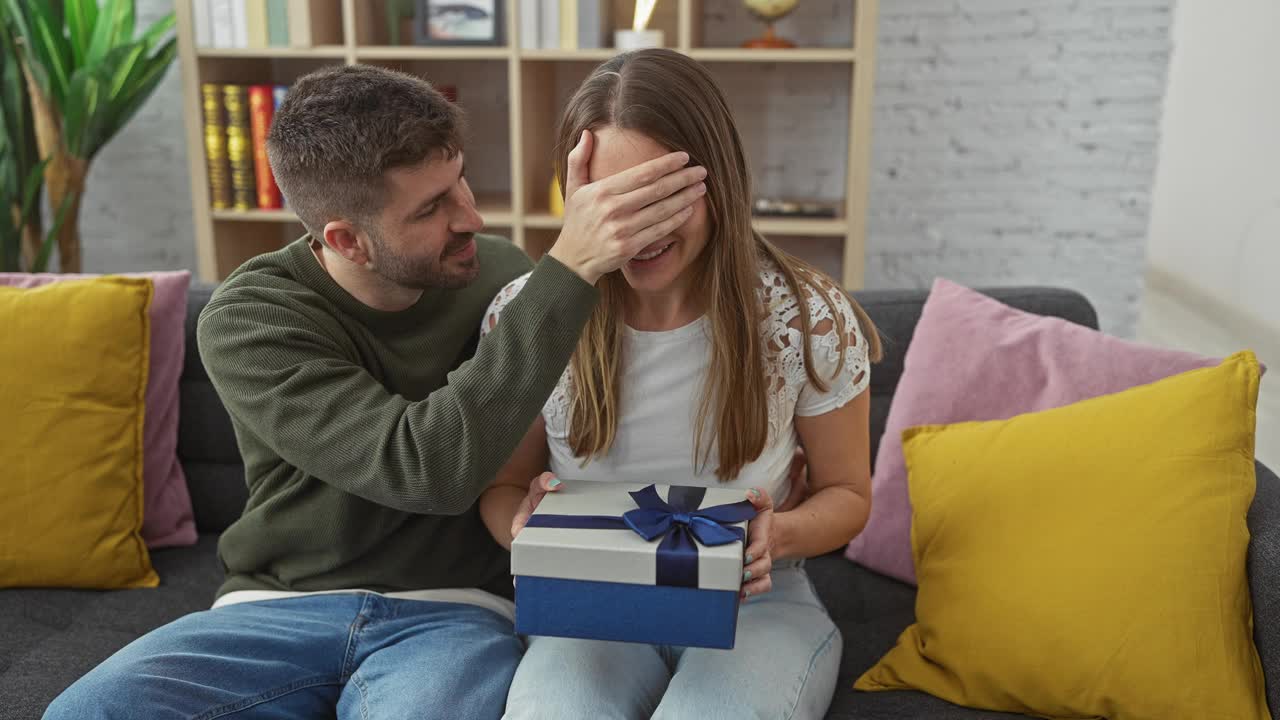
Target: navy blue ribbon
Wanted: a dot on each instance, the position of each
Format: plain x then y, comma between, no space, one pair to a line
681,529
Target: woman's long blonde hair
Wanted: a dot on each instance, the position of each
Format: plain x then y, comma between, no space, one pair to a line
673,100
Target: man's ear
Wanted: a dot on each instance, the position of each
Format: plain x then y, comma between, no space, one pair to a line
344,239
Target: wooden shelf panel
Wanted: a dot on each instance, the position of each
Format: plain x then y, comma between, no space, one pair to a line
801,55
329,52
542,221
798,55
495,214
402,52
834,227
818,227
255,215
599,55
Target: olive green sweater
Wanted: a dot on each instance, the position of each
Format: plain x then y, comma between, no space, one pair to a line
368,436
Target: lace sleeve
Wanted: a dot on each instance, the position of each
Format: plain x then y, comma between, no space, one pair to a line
827,347
500,301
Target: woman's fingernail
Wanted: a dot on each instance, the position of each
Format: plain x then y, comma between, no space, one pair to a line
755,493
746,575
750,557
555,482
746,594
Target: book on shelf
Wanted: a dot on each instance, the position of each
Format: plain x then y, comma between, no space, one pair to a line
277,95
566,24
261,23
278,23
215,146
261,110
237,119
221,19
531,24
239,23
548,23
240,148
595,23
256,23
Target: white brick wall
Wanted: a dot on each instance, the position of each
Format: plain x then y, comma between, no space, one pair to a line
1014,142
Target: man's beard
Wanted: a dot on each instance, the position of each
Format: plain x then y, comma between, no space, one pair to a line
425,273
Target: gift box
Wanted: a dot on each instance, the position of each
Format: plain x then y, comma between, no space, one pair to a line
634,563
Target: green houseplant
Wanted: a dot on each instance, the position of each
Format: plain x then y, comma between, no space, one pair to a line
86,75
22,246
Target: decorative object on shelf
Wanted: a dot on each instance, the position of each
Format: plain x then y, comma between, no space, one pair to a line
398,11
87,73
774,207
639,36
770,11
555,198
458,22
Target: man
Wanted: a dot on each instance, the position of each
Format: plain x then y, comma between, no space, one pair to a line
360,578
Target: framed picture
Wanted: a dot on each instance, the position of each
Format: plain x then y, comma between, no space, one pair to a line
458,22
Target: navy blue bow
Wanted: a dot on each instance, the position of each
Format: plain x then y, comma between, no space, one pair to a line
681,529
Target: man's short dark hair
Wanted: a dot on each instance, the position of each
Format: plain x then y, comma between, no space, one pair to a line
340,129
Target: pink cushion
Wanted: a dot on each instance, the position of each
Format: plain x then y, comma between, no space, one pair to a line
167,517
974,358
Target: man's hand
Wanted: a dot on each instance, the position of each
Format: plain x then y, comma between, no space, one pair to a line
607,223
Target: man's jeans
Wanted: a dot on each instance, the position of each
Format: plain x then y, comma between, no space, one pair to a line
356,655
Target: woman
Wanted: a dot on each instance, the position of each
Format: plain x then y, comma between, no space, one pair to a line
710,356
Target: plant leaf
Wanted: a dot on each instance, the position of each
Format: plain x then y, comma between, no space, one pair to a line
46,248
84,96
113,19
31,189
52,51
158,29
121,65
135,96
81,16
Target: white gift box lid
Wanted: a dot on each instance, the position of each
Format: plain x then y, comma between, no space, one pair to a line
616,556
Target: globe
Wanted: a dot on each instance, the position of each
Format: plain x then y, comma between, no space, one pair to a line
770,11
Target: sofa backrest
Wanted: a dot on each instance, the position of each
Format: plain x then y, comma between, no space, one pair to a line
215,475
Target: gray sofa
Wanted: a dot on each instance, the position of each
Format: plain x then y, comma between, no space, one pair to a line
48,638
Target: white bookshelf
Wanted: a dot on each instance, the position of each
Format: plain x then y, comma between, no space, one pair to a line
527,80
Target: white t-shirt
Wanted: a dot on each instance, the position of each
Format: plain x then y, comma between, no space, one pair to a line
663,375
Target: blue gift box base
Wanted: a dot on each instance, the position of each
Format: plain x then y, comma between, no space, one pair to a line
653,614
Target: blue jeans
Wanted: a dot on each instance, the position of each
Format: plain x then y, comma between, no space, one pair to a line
783,665
351,655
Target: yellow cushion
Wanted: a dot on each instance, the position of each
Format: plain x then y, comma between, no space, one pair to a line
1089,561
73,376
